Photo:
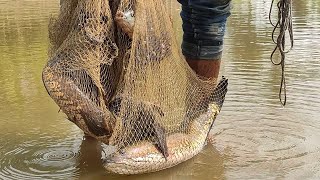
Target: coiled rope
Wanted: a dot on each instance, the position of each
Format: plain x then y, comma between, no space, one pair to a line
283,25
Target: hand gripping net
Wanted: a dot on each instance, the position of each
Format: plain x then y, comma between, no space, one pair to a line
123,87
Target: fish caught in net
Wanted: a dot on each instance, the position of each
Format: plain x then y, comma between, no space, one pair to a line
116,71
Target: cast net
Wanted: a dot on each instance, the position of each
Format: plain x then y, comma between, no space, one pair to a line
116,71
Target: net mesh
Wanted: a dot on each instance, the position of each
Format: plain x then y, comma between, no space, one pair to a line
116,71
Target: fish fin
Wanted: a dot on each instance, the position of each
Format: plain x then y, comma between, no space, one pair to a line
160,134
115,105
161,141
219,93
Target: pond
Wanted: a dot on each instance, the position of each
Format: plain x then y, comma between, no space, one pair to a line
254,137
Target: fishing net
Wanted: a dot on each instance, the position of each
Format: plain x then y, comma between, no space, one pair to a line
116,71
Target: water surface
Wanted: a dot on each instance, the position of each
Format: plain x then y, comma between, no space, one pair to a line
254,136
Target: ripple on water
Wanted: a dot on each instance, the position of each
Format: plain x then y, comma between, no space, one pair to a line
33,160
268,144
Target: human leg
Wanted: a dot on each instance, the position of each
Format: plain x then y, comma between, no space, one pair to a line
204,27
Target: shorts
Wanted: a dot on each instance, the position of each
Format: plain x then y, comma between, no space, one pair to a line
204,24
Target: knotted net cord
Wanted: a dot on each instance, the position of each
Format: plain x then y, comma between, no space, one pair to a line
283,25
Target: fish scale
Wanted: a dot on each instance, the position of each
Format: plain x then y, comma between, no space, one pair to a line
144,157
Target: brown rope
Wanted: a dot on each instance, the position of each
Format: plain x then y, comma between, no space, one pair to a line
283,25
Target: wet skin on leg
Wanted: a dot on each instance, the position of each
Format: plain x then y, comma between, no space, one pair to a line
208,69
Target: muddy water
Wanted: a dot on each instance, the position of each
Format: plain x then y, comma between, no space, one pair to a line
254,137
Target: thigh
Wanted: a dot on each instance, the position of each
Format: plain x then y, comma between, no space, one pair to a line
204,23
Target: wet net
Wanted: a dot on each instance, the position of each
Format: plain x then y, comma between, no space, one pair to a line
116,71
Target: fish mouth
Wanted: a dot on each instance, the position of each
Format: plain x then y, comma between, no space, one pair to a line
117,158
119,165
108,161
114,158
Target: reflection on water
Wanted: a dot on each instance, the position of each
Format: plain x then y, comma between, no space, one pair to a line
254,137
41,160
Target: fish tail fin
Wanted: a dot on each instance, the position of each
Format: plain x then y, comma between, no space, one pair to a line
220,92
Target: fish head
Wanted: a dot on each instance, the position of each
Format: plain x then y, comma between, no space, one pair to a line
133,160
118,164
122,164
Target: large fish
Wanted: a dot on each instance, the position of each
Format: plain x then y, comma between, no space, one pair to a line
144,157
80,108
71,76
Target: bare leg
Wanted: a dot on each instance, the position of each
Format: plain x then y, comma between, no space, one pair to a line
205,68
204,24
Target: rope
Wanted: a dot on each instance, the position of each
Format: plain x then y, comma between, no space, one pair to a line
283,25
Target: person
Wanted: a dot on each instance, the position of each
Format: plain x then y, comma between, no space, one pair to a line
204,23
